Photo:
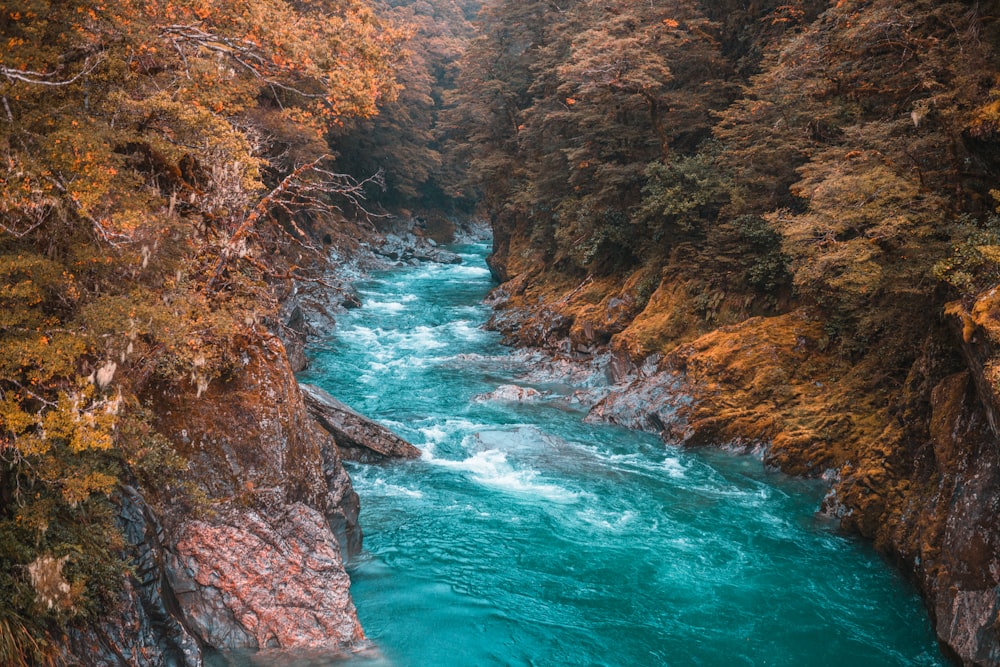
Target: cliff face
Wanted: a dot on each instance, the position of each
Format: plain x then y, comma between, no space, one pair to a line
280,513
246,551
912,466
251,554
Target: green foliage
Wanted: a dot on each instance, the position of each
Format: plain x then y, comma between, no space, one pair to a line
596,241
707,301
766,264
974,263
682,196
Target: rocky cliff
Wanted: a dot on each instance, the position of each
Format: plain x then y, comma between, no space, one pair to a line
247,550
279,513
250,555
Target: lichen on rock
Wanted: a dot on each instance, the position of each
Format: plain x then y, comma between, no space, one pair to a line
259,580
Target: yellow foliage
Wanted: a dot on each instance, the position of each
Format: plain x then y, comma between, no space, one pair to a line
990,252
77,489
134,138
14,420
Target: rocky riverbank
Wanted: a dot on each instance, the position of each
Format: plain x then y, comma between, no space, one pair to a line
913,467
248,553
258,534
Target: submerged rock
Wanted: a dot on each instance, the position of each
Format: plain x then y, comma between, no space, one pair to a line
511,393
358,438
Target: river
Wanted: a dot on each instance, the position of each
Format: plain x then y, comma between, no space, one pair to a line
525,537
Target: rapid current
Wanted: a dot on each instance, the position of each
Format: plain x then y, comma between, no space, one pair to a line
524,536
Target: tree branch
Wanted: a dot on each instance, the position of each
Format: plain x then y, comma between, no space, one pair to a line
293,195
260,210
44,78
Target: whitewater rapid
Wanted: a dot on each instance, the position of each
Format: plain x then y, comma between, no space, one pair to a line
523,536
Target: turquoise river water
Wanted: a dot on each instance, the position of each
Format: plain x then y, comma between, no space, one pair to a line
525,537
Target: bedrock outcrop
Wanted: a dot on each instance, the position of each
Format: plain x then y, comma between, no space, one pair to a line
248,552
358,438
912,465
261,565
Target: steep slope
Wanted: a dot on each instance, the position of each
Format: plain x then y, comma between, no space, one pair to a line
164,179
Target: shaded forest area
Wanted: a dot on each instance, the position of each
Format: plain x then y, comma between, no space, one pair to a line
795,203
841,154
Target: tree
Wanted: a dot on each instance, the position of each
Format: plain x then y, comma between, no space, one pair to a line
145,156
849,143
403,140
590,93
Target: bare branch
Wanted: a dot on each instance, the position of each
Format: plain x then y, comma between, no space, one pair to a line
45,78
295,194
244,53
21,233
259,211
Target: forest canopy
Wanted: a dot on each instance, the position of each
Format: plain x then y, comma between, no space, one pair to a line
833,153
157,161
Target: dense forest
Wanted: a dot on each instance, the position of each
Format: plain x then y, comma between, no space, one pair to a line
166,169
842,157
796,203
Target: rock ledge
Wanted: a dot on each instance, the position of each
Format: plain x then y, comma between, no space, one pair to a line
358,438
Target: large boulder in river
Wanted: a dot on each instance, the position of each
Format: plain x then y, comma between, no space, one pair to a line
510,393
358,438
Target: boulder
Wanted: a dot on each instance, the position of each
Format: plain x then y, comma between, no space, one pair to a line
358,438
511,393
253,581
284,514
409,248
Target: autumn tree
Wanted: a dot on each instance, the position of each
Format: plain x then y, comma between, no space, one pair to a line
404,140
585,95
850,142
151,155
856,155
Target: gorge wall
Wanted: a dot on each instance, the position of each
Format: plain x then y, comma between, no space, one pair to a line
250,553
245,548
